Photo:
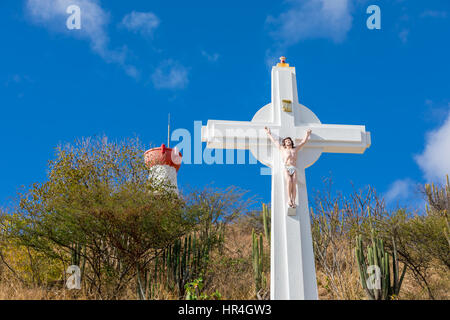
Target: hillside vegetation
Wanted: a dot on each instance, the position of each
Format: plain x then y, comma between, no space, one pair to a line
133,238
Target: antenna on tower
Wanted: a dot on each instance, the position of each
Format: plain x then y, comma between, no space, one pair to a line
168,131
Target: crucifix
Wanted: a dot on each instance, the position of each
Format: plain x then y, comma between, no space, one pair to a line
292,268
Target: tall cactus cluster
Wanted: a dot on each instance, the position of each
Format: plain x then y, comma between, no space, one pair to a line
186,262
266,221
258,252
177,265
378,286
258,259
144,285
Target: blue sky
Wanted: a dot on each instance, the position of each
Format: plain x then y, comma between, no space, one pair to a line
133,62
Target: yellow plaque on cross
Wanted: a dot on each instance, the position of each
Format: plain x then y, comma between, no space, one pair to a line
286,105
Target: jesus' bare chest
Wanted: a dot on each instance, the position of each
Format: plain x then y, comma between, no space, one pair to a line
289,156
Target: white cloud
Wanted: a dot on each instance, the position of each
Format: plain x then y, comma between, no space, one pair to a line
141,22
434,163
310,19
131,71
399,190
18,79
170,75
52,14
210,57
94,20
435,159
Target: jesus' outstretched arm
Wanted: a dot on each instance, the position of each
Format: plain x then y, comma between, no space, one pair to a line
269,134
303,141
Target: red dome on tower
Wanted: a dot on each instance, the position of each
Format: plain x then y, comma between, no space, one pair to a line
163,156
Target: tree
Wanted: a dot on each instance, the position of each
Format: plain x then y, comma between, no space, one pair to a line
99,205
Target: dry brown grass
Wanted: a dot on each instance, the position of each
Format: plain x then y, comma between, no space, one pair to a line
15,290
232,270
438,279
231,273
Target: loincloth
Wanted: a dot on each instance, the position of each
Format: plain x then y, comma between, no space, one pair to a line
290,169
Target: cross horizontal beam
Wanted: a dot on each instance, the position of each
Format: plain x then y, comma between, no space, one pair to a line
243,134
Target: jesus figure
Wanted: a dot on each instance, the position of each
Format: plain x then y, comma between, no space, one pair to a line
289,154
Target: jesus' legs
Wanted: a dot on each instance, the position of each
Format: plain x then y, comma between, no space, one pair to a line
288,182
293,188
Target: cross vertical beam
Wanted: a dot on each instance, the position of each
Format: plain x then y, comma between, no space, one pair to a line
293,273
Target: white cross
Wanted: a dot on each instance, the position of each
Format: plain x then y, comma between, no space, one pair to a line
293,274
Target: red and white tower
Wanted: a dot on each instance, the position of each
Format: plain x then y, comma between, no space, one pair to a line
164,164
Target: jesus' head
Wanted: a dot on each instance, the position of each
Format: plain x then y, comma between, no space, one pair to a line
288,143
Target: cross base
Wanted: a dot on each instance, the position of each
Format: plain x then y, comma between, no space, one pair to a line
291,211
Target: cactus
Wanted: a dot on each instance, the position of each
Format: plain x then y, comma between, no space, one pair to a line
258,259
189,260
178,264
377,258
258,253
266,222
141,281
